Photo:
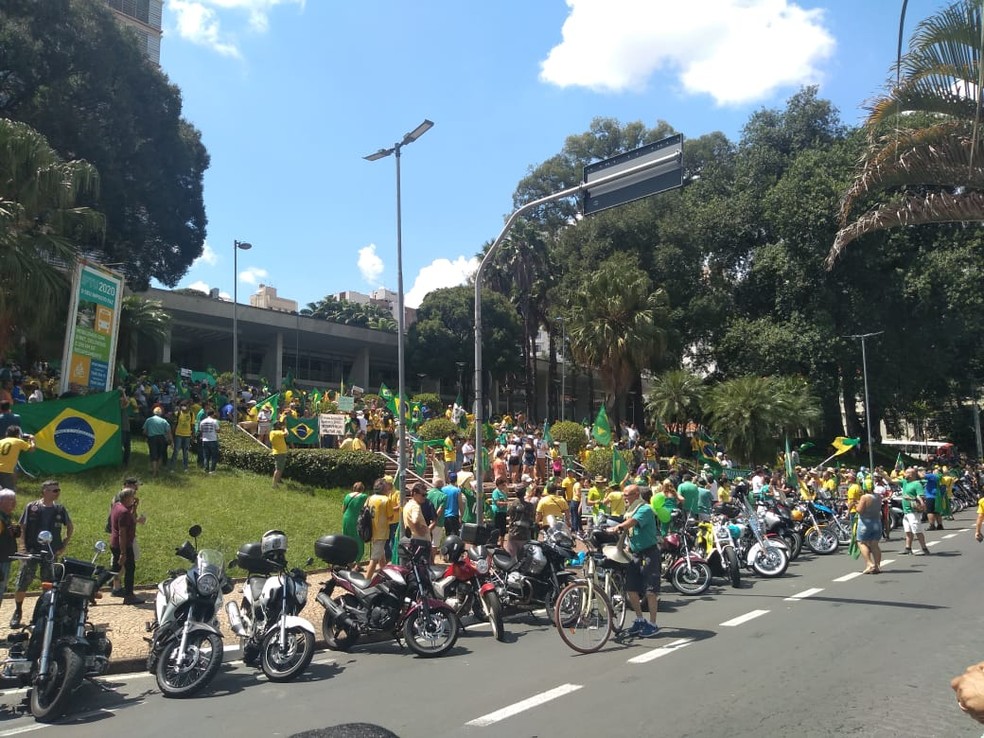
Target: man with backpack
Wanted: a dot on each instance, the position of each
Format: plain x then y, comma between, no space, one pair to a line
43,514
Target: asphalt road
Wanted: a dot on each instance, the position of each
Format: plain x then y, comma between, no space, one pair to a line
817,652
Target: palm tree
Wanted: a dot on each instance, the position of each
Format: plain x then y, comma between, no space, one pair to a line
617,325
797,407
674,397
39,223
742,414
924,134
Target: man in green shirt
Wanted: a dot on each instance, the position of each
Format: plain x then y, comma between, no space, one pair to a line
912,493
642,575
705,499
436,496
688,493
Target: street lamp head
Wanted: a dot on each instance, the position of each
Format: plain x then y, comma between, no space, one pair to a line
417,132
381,154
243,245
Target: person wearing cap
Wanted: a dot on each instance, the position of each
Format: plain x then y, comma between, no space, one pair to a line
911,517
596,495
251,424
643,572
158,433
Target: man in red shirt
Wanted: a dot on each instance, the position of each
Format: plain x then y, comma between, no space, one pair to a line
123,533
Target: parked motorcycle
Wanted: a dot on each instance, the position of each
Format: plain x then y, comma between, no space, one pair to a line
716,545
398,600
819,533
767,557
186,646
534,578
460,584
268,622
684,569
59,647
778,522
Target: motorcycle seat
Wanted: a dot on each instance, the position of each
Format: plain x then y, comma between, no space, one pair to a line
355,578
504,560
437,571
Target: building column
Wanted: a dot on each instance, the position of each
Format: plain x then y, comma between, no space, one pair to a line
360,368
166,348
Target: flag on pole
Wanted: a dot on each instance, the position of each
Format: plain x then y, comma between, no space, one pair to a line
272,402
547,438
602,431
72,434
419,457
898,463
388,399
619,467
844,444
302,431
458,416
790,472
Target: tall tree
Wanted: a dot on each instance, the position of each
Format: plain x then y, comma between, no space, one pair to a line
39,223
69,70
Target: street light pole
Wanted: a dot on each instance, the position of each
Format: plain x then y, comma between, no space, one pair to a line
867,403
563,368
236,246
401,465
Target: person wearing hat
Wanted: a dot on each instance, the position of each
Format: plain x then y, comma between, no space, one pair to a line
596,495
158,433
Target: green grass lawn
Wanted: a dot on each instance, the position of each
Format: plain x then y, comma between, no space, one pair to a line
232,506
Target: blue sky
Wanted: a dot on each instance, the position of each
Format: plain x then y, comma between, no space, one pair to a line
290,95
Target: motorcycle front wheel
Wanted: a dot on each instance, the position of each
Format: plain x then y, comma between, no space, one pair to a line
49,699
281,663
494,607
822,540
770,561
201,662
734,568
431,634
692,581
336,635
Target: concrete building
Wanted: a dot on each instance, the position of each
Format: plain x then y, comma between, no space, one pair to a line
266,298
144,17
386,299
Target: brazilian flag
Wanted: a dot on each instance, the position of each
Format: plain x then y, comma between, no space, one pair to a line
72,434
302,431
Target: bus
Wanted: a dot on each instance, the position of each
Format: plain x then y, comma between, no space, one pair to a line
942,452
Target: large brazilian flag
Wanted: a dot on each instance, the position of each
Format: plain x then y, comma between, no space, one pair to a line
302,431
72,434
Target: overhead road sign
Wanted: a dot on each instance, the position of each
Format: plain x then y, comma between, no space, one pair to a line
666,175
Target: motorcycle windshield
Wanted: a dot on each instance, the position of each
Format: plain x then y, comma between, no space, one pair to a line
210,560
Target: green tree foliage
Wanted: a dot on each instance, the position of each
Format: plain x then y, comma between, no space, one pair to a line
39,222
674,397
140,317
69,70
347,312
437,429
571,433
444,334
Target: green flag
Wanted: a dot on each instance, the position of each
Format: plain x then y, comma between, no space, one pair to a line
289,380
72,434
843,444
121,373
210,370
602,431
302,431
272,402
547,438
388,398
488,432
419,457
619,467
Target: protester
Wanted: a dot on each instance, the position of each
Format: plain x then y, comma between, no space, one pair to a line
382,515
352,505
208,430
643,571
278,449
10,451
9,533
158,433
123,541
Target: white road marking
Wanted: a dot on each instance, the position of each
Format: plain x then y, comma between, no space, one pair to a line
932,543
804,594
25,729
950,535
655,653
848,577
886,562
527,704
743,618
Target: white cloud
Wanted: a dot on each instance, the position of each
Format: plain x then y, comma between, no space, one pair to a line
736,51
370,265
209,256
253,275
440,273
203,22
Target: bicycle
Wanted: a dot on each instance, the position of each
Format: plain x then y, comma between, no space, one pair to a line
590,609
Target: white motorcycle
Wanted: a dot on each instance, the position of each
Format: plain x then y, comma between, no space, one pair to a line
268,621
186,648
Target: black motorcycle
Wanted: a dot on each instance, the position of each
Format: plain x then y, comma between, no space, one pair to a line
535,578
59,647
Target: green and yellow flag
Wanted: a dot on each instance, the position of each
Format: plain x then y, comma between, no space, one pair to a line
302,431
844,444
619,467
72,434
602,430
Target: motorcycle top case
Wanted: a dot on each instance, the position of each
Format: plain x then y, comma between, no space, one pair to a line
78,567
336,550
476,535
250,557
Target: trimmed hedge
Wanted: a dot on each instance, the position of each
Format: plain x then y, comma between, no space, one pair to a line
599,463
572,433
437,429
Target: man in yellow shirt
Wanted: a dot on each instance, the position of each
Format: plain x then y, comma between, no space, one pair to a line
182,434
278,446
382,515
614,501
10,451
552,504
853,491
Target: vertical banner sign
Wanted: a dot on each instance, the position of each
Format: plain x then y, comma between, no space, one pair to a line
90,336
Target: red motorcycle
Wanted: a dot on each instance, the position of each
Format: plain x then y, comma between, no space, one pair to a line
465,586
398,600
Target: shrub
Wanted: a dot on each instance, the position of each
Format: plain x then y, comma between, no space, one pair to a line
599,463
435,408
570,432
437,429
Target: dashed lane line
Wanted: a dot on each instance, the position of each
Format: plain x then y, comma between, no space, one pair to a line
932,543
656,653
848,577
527,704
735,622
886,562
804,594
950,535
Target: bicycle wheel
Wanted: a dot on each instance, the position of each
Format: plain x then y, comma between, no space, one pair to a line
615,591
583,616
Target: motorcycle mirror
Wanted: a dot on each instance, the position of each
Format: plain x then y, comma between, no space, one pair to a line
195,531
99,546
232,564
44,537
186,551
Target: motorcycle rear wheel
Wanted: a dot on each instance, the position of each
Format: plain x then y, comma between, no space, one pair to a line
204,657
335,635
50,700
693,581
734,568
282,666
432,634
494,606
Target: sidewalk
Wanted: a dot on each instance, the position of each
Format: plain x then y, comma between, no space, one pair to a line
126,624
